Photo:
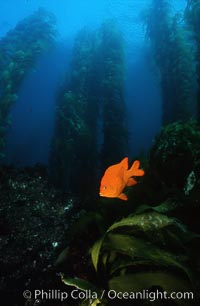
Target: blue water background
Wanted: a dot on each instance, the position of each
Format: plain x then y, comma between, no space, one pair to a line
33,115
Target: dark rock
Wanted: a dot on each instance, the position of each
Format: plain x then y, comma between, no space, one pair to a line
33,226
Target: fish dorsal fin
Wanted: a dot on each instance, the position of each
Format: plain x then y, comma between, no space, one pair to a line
124,163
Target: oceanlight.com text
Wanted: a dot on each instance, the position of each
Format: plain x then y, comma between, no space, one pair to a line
109,295
150,295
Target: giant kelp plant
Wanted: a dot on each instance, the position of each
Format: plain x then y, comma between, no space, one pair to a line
19,50
90,125
112,94
192,14
74,148
174,57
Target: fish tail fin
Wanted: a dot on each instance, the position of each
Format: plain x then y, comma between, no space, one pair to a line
134,170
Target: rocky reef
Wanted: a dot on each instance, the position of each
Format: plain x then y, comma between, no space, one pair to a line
34,223
53,240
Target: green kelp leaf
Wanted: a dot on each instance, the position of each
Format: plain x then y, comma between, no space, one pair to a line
111,257
127,264
138,282
174,240
163,208
95,252
92,303
143,208
84,285
138,249
97,302
105,259
145,222
157,227
180,232
80,284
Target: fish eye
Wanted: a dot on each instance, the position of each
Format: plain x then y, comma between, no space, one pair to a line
104,187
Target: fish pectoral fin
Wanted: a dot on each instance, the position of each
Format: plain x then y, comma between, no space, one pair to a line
131,182
123,197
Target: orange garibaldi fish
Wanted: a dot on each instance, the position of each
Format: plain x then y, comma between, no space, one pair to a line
117,177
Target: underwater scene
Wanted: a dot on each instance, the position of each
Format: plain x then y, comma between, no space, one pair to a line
99,152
